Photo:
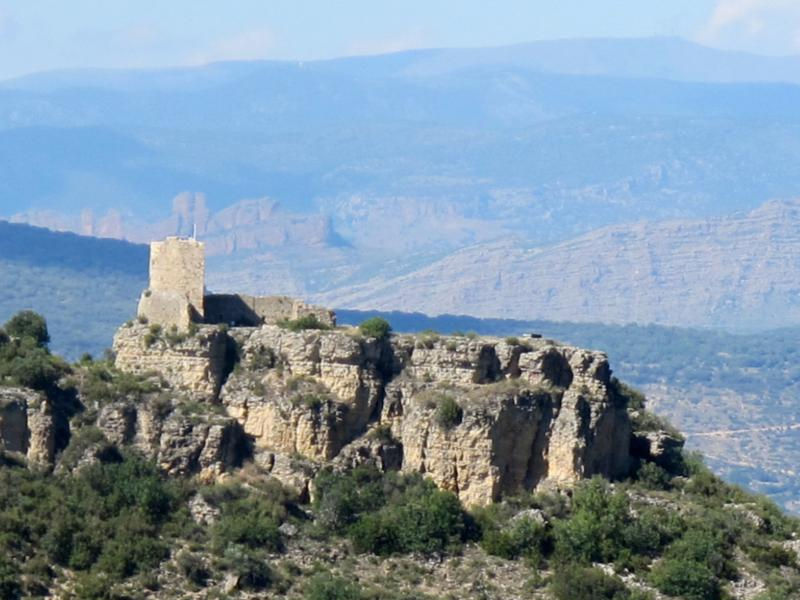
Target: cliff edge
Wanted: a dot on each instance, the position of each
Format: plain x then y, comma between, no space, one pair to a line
482,417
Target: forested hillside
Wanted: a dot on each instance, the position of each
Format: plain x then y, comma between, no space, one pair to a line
85,286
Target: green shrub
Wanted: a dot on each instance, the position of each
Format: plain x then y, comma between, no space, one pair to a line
25,359
174,337
601,528
685,578
390,513
448,412
250,521
106,518
10,587
23,362
512,341
382,433
523,538
426,520
303,323
772,555
103,382
253,571
192,568
28,324
653,477
575,583
706,543
375,327
155,329
324,586
632,398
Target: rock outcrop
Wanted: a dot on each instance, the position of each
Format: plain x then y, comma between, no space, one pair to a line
190,362
27,426
182,438
526,414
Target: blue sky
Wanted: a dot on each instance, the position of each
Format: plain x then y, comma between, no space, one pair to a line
39,35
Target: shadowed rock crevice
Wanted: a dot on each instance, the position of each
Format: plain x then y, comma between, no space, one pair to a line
529,414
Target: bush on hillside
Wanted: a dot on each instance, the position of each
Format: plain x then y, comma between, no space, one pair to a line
391,513
587,584
448,412
685,578
303,323
325,586
28,324
375,327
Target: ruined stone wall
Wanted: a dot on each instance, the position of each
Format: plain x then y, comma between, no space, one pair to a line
252,311
177,266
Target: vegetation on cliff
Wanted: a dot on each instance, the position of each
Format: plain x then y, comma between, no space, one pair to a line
108,523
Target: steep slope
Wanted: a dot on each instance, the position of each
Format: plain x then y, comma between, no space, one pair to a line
334,463
84,285
738,272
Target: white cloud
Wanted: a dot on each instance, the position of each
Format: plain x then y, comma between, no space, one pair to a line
245,45
397,43
759,25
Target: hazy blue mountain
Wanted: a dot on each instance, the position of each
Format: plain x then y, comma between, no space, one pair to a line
564,114
84,286
402,159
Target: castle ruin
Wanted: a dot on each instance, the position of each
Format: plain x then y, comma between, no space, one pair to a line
176,294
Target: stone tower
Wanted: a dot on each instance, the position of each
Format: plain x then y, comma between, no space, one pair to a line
177,283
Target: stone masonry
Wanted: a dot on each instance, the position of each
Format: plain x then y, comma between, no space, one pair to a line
176,294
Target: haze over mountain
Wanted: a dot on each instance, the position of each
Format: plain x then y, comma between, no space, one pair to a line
313,178
738,272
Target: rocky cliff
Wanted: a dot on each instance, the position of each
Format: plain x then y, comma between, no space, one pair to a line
483,417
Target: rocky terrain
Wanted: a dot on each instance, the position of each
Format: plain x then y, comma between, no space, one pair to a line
283,461
527,413
734,272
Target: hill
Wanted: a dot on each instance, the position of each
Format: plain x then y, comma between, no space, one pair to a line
310,177
356,464
736,273
84,285
733,394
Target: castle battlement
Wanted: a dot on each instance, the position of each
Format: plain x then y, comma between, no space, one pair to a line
176,293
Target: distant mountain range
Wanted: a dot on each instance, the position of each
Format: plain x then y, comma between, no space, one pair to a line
320,178
738,272
84,286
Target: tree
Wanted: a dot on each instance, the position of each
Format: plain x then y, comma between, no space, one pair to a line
27,323
375,327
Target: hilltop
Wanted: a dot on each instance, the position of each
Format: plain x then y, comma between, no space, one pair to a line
699,379
284,460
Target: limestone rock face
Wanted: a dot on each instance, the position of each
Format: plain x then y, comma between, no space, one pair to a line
554,420
521,415
661,447
193,363
182,443
26,425
306,393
